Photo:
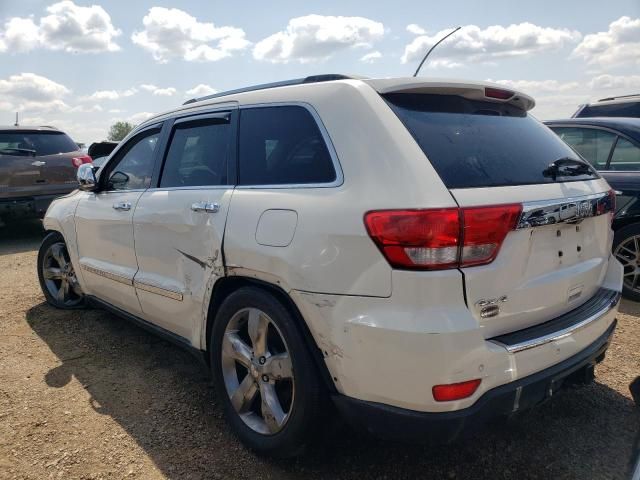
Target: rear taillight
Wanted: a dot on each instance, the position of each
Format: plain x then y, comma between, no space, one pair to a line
498,93
455,391
82,159
484,230
441,238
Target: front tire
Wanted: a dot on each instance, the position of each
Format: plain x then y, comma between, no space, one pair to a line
56,274
264,375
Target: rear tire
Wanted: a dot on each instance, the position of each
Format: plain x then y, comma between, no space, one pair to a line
56,274
264,375
626,248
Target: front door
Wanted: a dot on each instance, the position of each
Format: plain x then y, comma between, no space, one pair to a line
179,225
104,223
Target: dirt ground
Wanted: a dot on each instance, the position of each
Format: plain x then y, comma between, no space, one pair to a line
86,395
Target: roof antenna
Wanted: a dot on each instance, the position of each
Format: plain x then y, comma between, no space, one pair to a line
16,124
434,46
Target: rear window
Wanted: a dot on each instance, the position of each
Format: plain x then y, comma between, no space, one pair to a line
473,143
627,109
43,143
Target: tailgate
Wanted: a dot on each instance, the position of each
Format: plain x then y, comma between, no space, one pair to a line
554,261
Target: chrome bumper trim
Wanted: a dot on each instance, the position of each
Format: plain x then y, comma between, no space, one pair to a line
560,334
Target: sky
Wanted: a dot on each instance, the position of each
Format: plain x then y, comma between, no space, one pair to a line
83,65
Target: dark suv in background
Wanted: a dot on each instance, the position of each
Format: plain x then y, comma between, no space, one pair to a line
622,106
37,164
612,146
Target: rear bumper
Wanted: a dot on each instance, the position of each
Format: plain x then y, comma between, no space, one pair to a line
443,427
29,207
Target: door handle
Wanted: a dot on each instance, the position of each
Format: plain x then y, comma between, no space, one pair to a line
208,207
38,163
122,206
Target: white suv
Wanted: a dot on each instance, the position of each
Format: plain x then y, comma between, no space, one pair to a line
423,253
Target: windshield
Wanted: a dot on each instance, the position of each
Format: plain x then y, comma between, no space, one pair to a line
42,143
474,143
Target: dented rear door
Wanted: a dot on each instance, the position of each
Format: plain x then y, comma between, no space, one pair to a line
179,224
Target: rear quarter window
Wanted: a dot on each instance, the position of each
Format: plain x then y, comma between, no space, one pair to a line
43,143
473,143
282,145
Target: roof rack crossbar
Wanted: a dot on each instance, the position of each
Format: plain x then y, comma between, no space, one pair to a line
285,83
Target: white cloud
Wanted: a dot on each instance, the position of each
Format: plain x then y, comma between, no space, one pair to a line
416,29
371,57
140,117
556,99
620,44
32,87
539,86
163,92
201,90
317,37
473,44
608,82
172,33
109,95
67,27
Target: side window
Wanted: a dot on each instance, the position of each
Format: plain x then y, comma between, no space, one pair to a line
626,156
282,146
593,144
198,154
133,169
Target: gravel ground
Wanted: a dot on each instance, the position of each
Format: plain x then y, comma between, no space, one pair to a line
86,395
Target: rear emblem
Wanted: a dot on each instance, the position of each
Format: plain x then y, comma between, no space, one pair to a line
490,307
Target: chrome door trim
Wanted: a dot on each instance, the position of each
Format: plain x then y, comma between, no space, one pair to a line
560,334
147,287
103,273
564,210
339,180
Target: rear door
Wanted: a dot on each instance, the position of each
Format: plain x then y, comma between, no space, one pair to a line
179,223
556,253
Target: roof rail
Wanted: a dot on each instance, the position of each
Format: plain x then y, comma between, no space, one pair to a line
285,83
620,96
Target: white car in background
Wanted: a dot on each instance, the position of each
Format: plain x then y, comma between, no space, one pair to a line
400,246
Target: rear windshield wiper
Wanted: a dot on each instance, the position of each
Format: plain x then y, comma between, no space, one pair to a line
18,151
568,167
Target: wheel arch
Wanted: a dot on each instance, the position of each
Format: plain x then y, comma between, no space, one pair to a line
229,284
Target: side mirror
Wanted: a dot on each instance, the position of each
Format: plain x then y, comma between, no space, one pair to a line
87,178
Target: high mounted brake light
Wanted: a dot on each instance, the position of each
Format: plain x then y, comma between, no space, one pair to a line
498,93
440,239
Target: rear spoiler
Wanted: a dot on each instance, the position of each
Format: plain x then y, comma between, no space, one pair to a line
475,91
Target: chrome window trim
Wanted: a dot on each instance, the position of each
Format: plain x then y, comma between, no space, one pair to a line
339,180
560,334
103,273
147,287
544,212
192,187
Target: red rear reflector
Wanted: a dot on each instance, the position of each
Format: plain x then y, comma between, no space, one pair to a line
498,93
417,239
441,238
455,391
484,231
77,161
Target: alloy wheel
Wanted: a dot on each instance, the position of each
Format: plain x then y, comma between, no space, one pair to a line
628,253
257,371
59,276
